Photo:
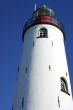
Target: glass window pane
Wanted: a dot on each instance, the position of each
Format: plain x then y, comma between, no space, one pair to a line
43,32
64,86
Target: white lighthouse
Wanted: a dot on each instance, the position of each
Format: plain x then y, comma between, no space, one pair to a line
43,79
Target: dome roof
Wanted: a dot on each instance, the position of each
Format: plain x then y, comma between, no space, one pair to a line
43,11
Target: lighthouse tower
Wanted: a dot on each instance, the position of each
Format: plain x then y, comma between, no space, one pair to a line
43,79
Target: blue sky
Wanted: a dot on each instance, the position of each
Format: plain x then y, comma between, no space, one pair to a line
13,14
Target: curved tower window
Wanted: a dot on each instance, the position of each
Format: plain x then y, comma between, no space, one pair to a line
22,102
12,108
64,86
43,33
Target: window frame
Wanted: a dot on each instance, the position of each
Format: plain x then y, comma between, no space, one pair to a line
64,85
42,33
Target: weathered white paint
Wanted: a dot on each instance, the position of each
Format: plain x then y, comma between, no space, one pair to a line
40,86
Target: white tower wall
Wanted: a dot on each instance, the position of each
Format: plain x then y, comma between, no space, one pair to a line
42,65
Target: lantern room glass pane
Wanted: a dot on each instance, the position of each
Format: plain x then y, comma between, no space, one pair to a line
44,11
